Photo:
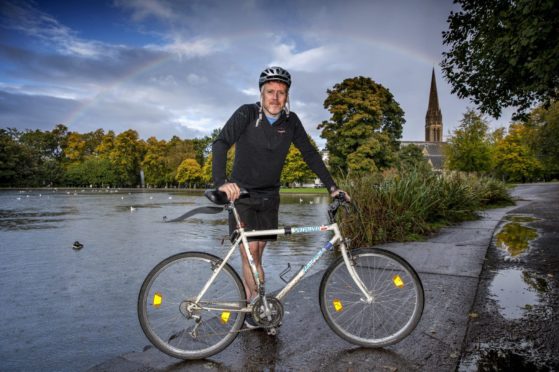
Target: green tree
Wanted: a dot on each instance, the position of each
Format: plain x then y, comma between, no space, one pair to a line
207,168
189,172
366,124
46,155
544,138
503,53
295,168
469,147
513,159
96,171
203,146
410,157
16,160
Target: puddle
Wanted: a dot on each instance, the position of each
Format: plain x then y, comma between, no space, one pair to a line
516,291
498,359
515,237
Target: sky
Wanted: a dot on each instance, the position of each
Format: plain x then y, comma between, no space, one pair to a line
170,67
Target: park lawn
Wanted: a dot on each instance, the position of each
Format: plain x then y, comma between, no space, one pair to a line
303,190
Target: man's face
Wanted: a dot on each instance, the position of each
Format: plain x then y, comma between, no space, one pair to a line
274,96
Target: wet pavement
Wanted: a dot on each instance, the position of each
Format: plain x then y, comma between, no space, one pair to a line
515,323
470,316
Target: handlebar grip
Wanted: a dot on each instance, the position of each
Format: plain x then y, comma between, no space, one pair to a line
220,198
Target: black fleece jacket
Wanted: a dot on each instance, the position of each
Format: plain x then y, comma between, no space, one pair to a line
261,150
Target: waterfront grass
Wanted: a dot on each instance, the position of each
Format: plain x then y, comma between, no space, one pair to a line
407,206
303,190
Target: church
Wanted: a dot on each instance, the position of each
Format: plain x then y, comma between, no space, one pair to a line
433,144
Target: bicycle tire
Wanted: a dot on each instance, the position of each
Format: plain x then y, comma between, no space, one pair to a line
397,305
171,286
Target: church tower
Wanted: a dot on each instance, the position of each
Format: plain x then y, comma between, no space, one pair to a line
433,118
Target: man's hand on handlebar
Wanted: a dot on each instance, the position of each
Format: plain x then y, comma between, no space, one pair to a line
232,190
336,194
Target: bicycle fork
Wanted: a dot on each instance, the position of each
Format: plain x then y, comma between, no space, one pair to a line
353,273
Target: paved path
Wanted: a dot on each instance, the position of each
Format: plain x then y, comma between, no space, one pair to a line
449,265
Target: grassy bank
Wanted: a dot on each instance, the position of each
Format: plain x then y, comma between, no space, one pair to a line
303,190
409,206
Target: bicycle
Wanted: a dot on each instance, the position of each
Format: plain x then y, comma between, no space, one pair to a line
193,304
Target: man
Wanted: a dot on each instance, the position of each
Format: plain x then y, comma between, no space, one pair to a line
262,134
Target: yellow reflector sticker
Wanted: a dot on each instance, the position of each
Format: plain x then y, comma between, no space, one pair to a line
337,305
157,299
398,282
225,317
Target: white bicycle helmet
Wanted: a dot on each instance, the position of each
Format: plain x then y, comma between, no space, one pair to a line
274,73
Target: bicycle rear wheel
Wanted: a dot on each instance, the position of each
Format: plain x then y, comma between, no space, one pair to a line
397,303
174,323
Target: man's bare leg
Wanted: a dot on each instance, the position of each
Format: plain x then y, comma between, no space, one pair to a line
256,250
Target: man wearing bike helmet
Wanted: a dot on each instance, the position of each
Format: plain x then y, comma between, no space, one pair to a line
262,134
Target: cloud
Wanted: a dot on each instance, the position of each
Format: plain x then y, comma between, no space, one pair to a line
26,18
314,59
191,64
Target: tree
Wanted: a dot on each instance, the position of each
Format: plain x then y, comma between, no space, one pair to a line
207,168
513,159
126,156
411,158
544,138
189,172
366,124
503,53
46,150
295,168
153,164
17,163
203,146
469,147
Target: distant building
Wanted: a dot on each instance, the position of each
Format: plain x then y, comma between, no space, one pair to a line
433,144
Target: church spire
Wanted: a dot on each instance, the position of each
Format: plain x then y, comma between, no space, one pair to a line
433,118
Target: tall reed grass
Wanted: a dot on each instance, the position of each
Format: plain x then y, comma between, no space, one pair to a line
395,206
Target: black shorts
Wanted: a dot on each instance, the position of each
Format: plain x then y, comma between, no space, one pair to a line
257,213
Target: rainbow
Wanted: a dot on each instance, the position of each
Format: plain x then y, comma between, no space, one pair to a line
383,45
130,75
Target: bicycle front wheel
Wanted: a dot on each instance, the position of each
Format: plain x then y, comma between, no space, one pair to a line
397,298
172,319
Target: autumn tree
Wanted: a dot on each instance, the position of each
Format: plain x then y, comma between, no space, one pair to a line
126,155
189,172
154,163
366,123
503,53
295,168
469,148
513,160
207,168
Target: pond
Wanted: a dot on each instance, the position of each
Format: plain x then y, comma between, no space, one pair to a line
68,309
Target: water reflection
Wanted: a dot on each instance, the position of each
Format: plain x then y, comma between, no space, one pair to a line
60,297
515,237
516,291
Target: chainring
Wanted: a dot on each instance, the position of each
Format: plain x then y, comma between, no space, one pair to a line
276,312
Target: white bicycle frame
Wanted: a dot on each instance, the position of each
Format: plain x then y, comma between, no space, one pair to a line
243,239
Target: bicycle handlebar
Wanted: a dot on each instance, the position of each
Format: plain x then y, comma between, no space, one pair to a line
220,198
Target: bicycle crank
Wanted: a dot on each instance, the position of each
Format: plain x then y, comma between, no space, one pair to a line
273,318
